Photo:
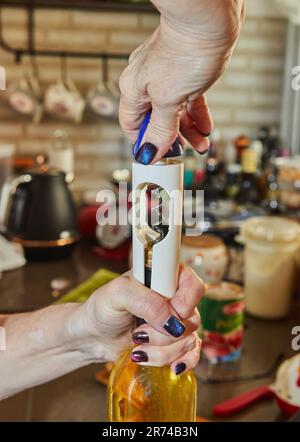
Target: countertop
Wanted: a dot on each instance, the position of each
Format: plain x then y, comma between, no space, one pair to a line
78,397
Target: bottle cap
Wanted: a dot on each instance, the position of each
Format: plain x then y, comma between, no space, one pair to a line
175,150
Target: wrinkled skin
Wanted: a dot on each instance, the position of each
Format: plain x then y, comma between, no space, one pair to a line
171,71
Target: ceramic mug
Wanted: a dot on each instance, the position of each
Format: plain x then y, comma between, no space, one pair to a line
25,97
207,255
64,101
103,100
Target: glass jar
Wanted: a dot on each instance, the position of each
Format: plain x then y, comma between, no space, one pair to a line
271,257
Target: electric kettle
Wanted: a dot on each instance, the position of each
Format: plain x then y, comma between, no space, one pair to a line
39,212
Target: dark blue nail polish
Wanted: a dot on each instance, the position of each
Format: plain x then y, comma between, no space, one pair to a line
139,356
144,125
140,337
146,153
175,151
174,327
179,368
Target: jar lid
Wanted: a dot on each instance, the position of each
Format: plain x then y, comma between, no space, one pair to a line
271,229
203,241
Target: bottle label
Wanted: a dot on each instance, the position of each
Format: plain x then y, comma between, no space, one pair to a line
222,326
249,161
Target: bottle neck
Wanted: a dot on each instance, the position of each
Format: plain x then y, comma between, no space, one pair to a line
148,268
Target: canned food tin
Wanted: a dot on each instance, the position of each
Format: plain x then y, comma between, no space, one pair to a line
222,315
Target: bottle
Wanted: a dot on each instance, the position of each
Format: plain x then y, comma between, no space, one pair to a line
150,394
189,167
139,393
61,154
232,181
241,144
248,192
212,184
258,146
271,186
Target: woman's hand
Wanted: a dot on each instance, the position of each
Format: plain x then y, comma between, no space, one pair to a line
169,337
170,72
51,342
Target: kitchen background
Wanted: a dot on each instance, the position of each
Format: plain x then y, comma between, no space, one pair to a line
247,96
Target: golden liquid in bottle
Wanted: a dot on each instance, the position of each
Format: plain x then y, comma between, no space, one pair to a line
139,393
150,394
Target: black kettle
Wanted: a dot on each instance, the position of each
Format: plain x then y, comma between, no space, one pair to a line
41,214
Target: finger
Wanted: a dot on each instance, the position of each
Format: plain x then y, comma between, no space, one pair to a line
190,131
182,140
158,356
199,113
128,295
131,114
145,334
190,291
162,130
188,361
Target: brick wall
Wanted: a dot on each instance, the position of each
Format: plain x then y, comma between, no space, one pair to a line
248,95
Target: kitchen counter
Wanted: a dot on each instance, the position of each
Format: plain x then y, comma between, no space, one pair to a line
78,397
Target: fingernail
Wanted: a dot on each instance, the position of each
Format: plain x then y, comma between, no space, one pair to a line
203,152
140,337
174,327
175,150
179,368
205,134
146,153
139,356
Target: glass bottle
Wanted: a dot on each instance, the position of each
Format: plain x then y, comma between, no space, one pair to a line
271,186
232,180
212,184
139,393
242,143
248,191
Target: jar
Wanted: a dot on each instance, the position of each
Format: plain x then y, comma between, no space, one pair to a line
289,181
207,255
271,257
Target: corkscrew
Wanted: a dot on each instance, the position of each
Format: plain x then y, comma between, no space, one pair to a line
157,219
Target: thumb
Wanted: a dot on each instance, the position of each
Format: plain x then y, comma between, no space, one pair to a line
161,133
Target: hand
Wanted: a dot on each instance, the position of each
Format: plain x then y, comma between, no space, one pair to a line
170,72
163,340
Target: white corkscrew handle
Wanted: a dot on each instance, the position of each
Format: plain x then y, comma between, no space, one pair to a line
165,254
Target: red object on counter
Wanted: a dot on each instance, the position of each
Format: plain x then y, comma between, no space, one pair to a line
244,400
119,254
238,403
87,221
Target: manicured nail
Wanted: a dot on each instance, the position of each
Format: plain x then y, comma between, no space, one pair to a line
203,152
140,337
205,134
175,150
179,368
146,153
139,356
174,327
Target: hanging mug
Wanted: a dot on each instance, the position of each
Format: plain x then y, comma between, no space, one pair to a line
64,101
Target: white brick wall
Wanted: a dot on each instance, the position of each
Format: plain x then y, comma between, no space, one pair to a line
247,96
